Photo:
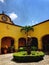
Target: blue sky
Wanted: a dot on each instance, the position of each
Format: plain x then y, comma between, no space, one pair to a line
26,12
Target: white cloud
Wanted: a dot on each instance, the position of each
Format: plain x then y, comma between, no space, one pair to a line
2,1
13,16
34,22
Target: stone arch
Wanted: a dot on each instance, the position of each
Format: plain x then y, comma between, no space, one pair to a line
34,42
45,42
7,43
21,42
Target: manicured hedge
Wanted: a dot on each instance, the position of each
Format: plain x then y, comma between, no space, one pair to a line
22,49
33,48
23,57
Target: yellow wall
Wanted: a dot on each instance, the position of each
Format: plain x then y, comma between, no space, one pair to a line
39,31
7,30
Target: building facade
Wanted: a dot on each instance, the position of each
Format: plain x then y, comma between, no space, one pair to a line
10,35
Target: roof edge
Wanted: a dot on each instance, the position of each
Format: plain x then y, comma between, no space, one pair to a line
11,24
40,23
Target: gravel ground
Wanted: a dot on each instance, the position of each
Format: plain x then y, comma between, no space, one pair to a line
6,59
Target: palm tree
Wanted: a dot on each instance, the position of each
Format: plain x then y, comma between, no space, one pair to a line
26,29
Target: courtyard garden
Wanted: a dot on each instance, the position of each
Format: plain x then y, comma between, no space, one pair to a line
28,52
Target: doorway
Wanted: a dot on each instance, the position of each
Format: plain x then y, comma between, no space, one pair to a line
7,45
22,42
45,43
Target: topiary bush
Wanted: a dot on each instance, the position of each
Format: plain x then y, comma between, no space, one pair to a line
33,48
22,49
23,57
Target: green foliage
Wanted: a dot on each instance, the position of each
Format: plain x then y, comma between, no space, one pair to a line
33,53
26,29
33,48
34,56
22,48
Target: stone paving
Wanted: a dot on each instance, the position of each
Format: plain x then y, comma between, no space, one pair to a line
6,59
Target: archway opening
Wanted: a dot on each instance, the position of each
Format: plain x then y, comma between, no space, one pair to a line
7,45
34,42
45,43
22,42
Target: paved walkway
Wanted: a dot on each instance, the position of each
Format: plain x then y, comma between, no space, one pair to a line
6,59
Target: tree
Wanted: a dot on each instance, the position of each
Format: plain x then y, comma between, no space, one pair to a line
26,29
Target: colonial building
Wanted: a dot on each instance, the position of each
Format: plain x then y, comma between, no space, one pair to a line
10,35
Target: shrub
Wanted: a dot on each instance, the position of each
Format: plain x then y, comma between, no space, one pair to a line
34,56
33,48
22,49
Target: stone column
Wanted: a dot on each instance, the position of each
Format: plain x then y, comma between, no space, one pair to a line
39,44
0,47
16,45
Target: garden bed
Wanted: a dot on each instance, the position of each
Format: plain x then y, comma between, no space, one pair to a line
23,57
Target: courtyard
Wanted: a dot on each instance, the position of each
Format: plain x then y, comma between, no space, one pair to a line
6,59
